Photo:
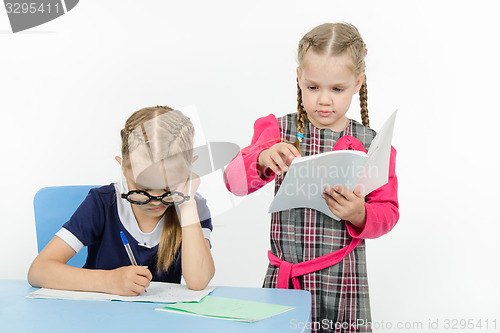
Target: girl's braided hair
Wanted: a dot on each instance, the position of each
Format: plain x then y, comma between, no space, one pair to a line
334,39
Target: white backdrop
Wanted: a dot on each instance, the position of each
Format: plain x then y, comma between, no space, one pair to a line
67,87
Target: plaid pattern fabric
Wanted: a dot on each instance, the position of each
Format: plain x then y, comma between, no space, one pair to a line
340,301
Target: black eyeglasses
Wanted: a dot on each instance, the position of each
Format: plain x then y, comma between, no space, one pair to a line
138,197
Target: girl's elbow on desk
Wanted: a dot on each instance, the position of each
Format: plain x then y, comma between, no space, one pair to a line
199,282
33,276
39,273
196,285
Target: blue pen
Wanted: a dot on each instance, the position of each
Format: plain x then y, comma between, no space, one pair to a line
128,249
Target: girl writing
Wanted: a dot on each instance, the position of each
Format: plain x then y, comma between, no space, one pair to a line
156,208
310,250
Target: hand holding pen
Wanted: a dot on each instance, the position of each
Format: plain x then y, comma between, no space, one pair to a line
128,280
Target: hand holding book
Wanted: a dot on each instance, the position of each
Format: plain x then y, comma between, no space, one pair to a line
346,204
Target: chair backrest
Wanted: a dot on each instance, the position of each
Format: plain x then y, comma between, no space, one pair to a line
53,207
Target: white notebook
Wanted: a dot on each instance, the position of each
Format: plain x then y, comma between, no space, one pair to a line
157,292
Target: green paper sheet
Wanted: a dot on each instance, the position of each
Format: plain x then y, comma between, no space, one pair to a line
228,309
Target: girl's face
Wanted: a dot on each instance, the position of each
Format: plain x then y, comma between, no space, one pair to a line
154,208
164,176
328,84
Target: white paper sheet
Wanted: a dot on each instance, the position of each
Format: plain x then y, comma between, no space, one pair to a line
376,171
157,292
307,176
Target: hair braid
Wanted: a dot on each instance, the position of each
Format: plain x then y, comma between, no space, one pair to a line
363,102
301,118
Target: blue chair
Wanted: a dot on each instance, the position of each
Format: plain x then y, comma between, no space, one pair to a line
53,207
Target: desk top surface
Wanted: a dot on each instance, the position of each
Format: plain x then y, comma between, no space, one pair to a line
19,314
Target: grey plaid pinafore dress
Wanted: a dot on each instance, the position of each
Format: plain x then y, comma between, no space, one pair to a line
340,300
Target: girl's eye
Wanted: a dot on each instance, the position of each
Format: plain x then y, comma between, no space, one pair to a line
312,88
338,89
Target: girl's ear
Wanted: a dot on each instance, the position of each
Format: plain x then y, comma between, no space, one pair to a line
359,82
298,76
195,157
118,159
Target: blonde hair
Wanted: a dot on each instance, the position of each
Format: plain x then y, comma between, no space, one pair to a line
166,132
334,39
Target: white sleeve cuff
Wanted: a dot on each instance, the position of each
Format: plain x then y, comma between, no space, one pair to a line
70,239
206,234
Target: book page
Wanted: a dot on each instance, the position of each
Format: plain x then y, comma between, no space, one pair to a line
157,292
307,177
376,170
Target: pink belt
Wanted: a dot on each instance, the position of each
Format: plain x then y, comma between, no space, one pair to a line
289,271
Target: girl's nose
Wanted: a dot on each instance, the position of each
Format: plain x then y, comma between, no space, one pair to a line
324,98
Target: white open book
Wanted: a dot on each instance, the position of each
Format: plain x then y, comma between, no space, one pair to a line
157,292
307,176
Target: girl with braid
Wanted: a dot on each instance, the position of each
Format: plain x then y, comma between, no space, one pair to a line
310,250
156,209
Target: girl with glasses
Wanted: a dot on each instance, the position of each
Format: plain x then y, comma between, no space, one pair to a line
156,208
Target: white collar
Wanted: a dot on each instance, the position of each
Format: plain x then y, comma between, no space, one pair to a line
129,221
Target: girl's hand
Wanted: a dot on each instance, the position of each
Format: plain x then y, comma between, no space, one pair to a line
128,280
346,205
186,190
278,157
188,211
